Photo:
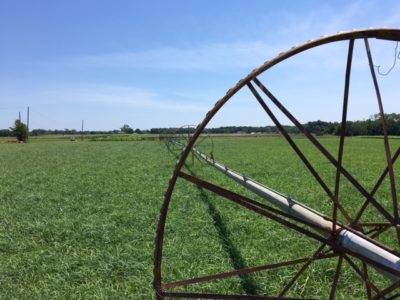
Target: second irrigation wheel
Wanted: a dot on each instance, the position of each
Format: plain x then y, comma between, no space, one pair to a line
342,244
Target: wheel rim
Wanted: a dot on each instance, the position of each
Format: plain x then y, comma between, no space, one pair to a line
256,87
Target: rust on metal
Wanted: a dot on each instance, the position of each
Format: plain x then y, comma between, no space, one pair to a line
376,187
342,133
284,132
361,274
366,279
301,271
221,296
244,271
325,152
369,231
255,207
336,278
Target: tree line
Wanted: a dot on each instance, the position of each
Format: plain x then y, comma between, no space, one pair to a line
37,132
371,126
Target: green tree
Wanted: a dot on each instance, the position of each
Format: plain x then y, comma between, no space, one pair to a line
20,131
126,129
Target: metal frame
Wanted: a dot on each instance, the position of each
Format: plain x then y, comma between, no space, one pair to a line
373,230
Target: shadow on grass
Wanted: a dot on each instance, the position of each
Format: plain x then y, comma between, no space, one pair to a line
248,284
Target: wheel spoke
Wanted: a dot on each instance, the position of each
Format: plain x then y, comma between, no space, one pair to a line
380,231
255,206
342,132
361,274
336,278
376,187
219,296
366,276
322,149
297,150
301,271
385,139
329,230
243,271
388,290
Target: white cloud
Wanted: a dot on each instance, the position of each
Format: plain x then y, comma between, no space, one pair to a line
262,43
218,57
207,57
109,95
250,52
127,97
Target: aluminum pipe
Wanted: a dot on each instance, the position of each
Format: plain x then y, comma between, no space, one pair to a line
355,243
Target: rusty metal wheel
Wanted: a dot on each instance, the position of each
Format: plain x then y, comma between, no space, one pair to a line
330,240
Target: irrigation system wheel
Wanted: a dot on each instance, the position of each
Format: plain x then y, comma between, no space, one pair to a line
176,139
344,236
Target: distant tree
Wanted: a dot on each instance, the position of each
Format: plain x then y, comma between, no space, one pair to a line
138,131
126,129
20,131
37,132
5,132
393,122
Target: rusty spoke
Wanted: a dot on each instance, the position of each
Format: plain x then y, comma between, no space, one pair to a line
297,150
380,231
374,224
219,296
244,271
301,271
342,133
254,206
233,197
388,290
385,139
361,274
325,152
366,276
376,228
336,278
354,242
376,187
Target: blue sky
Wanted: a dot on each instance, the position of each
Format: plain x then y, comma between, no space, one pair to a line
165,63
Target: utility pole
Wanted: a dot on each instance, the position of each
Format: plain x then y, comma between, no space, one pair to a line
27,121
19,116
82,129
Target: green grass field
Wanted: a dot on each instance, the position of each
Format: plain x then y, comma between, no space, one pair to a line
78,220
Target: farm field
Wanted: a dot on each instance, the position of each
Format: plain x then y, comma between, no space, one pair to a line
78,220
87,137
